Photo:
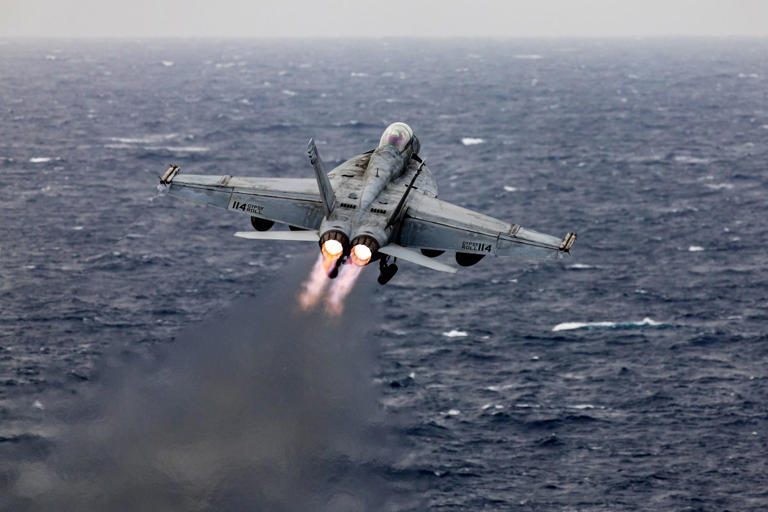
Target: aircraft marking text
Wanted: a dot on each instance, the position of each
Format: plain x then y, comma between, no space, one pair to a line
246,207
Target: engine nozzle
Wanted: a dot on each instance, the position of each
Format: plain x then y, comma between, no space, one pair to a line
334,243
363,249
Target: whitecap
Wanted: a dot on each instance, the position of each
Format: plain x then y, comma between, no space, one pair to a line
185,149
570,326
692,160
356,74
471,141
453,333
509,189
719,186
528,56
146,139
77,228
581,266
167,63
50,57
454,412
288,92
37,404
695,248
582,407
39,160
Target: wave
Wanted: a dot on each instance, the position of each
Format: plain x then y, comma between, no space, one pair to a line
39,160
571,326
719,186
146,139
692,160
182,149
471,141
581,266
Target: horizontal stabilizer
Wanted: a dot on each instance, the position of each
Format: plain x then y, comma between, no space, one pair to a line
295,236
417,258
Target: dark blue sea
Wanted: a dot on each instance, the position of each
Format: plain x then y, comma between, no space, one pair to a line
149,360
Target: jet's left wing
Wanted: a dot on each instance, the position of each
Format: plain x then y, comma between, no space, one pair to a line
430,223
292,201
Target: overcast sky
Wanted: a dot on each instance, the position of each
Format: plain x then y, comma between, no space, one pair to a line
382,18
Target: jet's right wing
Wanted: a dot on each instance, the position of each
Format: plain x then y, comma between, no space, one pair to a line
430,223
293,201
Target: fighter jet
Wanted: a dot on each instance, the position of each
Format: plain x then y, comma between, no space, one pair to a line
378,206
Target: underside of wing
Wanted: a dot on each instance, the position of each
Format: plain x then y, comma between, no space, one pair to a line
430,223
292,201
416,257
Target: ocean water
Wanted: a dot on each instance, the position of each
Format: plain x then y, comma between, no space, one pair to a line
150,360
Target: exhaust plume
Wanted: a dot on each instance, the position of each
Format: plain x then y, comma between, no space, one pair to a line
263,407
348,275
313,286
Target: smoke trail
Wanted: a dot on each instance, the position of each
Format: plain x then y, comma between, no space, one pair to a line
261,408
334,304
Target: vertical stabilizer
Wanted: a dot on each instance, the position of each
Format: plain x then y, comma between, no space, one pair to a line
323,183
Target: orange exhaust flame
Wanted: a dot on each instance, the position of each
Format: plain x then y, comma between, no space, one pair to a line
360,255
331,251
348,275
314,285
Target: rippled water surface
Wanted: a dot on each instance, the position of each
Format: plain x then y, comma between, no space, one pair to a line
150,360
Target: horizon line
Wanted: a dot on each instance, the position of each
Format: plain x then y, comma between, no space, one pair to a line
380,38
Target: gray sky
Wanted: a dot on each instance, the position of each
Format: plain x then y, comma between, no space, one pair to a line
388,18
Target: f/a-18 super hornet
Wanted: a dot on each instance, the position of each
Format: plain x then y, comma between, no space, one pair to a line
378,206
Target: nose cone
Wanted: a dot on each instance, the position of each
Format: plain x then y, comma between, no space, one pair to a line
396,135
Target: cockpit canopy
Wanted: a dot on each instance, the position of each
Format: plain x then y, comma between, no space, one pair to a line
397,135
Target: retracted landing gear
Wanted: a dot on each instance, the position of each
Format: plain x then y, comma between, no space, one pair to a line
386,272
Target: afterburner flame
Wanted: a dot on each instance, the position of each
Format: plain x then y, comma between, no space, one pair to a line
361,255
331,252
314,285
332,248
348,275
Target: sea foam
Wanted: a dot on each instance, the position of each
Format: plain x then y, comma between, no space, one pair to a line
570,326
